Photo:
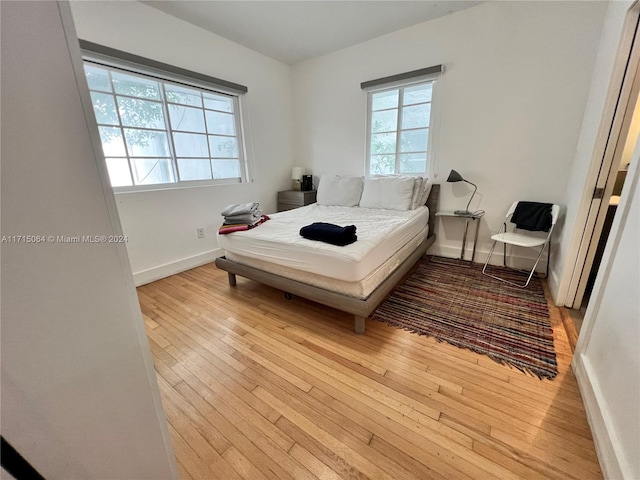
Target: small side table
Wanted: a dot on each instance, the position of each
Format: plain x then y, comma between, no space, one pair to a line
473,217
290,199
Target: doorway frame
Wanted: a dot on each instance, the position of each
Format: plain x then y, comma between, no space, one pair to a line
592,211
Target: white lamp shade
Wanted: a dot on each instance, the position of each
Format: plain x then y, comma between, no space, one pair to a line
296,173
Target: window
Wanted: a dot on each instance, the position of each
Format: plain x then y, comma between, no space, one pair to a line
158,132
399,126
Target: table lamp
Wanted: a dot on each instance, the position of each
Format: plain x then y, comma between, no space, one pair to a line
456,177
296,175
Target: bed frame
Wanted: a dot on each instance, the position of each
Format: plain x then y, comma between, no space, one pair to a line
360,308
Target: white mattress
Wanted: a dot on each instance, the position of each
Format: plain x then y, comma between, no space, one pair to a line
381,233
361,289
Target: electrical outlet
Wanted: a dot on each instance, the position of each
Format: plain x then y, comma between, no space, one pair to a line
200,232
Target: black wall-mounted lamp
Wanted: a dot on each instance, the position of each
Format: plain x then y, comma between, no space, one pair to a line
456,177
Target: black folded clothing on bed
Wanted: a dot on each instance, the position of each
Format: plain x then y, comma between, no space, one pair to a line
330,233
532,216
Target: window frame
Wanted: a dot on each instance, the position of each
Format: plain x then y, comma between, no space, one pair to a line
401,85
166,78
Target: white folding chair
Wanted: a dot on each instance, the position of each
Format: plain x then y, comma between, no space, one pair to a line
521,238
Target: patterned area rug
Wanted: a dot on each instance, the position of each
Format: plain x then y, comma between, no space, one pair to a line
457,304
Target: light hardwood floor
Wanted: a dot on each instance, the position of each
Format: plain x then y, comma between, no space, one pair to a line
255,386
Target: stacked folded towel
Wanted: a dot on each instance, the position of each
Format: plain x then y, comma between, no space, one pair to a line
241,216
224,229
330,233
247,218
242,213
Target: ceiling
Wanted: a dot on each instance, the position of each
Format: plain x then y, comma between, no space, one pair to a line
294,31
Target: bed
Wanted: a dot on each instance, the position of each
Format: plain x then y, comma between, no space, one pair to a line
355,278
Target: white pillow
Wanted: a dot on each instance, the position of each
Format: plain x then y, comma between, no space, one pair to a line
426,190
417,193
340,191
392,193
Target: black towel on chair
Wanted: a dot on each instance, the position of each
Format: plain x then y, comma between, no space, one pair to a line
533,216
330,233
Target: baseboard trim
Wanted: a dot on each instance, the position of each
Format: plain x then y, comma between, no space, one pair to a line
553,281
156,273
604,442
514,261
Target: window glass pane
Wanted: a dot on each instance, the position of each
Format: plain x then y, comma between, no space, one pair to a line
218,102
414,140
383,143
143,147
416,116
135,86
418,93
186,118
185,96
140,113
388,99
149,171
194,169
226,168
413,163
382,164
221,123
384,121
97,78
191,145
146,143
119,172
225,147
112,143
104,107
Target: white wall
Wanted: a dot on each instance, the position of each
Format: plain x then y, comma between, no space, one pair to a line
607,359
79,393
581,166
517,75
161,225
